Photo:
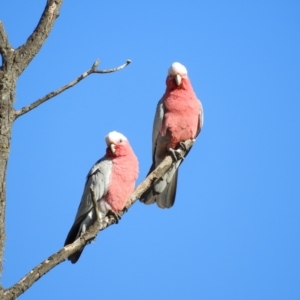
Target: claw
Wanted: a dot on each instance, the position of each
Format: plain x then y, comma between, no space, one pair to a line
175,154
172,152
182,145
116,216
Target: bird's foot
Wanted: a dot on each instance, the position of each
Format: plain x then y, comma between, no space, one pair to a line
183,146
117,216
175,154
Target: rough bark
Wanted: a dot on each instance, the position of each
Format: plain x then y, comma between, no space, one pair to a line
8,80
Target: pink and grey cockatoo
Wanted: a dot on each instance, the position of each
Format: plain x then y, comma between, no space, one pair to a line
112,179
179,117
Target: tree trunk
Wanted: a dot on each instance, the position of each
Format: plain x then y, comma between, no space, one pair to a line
7,114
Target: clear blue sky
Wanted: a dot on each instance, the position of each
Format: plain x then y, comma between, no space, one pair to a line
234,230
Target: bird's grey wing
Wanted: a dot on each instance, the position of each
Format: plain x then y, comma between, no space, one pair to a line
148,196
157,124
98,178
201,118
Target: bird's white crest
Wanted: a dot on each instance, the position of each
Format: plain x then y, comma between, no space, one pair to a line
177,68
114,137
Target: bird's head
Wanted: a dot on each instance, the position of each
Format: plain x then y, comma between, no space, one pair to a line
117,144
177,76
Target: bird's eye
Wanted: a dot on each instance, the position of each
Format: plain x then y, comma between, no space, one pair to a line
121,140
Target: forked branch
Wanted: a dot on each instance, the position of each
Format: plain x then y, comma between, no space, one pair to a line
25,53
92,70
35,274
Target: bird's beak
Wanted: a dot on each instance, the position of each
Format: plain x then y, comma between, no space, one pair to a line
178,79
112,148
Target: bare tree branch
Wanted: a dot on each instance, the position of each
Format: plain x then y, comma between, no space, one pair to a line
6,51
92,70
35,274
4,43
26,52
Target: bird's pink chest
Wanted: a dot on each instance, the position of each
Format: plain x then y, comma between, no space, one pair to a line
181,118
121,185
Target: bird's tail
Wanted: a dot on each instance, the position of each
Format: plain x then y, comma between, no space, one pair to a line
78,228
163,190
75,256
148,197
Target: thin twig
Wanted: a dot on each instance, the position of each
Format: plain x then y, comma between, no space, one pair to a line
35,274
92,70
111,70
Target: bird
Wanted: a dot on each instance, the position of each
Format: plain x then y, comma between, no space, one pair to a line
179,116
113,179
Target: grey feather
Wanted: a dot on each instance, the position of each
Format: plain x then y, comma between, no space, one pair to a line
167,198
201,118
98,178
163,190
157,124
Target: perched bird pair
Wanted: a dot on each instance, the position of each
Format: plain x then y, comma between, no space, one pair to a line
179,117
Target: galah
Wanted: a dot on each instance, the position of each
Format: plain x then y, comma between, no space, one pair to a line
112,179
179,117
